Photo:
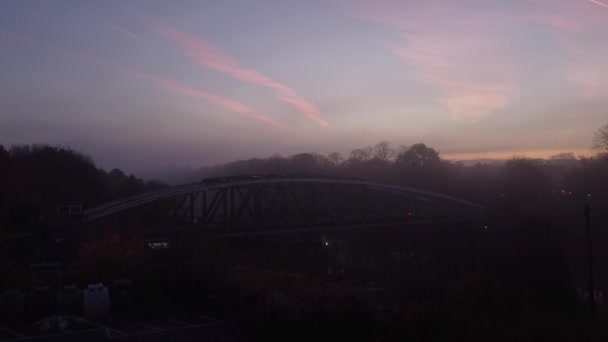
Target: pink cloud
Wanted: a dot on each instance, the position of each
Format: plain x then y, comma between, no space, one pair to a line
599,3
210,57
178,88
573,22
464,49
457,52
168,85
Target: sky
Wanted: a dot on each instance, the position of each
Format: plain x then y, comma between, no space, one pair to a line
144,84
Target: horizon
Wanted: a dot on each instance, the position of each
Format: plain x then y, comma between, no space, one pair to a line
456,157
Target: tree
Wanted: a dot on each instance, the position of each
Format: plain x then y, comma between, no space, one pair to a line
563,156
600,140
418,156
4,159
384,151
109,257
3,154
361,154
303,163
335,158
39,177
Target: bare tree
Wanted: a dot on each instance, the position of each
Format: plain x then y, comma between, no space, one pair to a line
361,154
563,156
401,150
384,151
600,140
322,161
335,158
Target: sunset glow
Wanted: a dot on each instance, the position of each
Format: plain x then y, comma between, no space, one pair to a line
470,78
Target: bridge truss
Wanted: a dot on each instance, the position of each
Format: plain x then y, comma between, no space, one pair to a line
248,203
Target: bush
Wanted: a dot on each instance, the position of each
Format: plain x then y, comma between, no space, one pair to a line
109,258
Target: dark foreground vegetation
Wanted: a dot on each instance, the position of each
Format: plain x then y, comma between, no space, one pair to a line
35,180
521,275
451,282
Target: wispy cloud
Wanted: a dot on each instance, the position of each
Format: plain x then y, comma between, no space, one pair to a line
599,3
118,28
175,87
580,69
574,22
165,84
468,50
107,23
458,53
210,57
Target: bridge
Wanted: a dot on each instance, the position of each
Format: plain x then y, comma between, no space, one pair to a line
279,203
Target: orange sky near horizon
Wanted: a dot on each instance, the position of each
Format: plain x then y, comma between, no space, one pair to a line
544,154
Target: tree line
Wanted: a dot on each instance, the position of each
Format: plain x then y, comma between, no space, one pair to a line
34,179
519,180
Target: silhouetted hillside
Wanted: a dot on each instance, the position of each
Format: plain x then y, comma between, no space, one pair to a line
35,179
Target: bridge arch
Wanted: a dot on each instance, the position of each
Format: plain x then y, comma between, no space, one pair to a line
283,201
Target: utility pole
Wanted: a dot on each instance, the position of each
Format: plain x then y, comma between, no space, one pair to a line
589,258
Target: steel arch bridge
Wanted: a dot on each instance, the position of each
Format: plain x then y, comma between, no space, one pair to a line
280,202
